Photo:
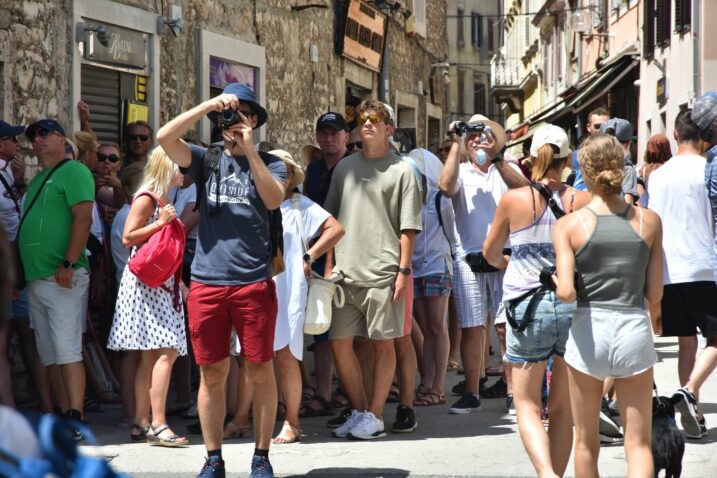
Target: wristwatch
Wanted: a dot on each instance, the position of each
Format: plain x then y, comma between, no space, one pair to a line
498,157
405,270
67,264
308,259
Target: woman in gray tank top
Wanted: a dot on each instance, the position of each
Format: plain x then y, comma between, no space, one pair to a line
617,251
524,215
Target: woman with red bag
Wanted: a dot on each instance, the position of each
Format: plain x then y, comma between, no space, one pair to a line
147,318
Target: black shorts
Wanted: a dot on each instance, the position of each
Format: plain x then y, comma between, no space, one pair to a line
687,306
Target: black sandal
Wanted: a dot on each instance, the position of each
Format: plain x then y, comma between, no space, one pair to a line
171,441
307,411
140,437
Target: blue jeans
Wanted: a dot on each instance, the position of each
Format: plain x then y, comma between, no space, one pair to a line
545,335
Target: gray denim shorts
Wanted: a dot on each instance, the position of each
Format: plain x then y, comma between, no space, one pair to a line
610,342
545,335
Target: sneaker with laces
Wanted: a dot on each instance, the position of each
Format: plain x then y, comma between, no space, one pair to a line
510,405
405,420
368,428
340,419
213,468
261,468
465,404
703,427
349,423
609,430
73,415
686,404
459,389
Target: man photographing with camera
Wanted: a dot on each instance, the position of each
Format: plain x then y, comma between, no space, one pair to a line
231,274
475,188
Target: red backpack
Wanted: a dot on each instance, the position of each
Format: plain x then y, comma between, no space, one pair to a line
161,256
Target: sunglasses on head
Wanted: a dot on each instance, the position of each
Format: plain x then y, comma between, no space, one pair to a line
113,158
357,144
372,118
138,137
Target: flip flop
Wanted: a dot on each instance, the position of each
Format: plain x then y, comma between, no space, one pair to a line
279,440
171,441
232,431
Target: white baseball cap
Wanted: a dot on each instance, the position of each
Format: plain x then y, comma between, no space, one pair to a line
550,134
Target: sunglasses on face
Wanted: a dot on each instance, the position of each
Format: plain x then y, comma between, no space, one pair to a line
138,137
112,158
43,133
597,126
372,118
357,144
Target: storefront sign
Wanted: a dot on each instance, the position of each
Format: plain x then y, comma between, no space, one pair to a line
661,89
364,35
222,72
124,47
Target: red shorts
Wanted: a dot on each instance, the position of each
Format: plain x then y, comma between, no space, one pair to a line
213,310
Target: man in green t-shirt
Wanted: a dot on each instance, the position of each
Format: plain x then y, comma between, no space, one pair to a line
52,238
375,196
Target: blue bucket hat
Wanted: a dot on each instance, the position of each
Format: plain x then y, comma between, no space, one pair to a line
243,93
46,124
8,130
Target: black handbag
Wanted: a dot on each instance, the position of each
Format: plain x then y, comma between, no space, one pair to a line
20,281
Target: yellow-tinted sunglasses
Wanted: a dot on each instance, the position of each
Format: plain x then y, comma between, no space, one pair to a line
372,118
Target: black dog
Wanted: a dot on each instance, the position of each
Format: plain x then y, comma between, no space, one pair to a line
668,442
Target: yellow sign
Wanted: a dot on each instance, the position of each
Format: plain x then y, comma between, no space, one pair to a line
137,112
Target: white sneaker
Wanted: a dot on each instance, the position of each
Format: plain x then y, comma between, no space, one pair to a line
368,428
351,421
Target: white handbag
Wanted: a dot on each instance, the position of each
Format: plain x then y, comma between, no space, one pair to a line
322,292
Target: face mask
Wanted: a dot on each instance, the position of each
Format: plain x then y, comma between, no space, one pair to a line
481,157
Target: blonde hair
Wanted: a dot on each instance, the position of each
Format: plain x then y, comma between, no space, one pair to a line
85,142
158,173
602,161
544,162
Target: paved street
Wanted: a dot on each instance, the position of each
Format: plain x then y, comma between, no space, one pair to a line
484,443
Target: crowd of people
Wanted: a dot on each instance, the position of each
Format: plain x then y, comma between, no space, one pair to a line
574,258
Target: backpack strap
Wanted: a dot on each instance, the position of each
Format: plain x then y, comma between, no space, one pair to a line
209,167
552,204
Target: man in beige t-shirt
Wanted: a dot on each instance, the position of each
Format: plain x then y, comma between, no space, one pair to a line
375,196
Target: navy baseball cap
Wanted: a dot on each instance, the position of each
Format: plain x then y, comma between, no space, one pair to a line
243,93
332,120
8,130
46,124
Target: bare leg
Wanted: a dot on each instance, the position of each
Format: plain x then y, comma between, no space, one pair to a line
418,339
704,366
454,330
507,370
560,431
428,364
350,373
142,384
245,392
288,368
129,368
366,357
58,387
73,376
323,365
406,368
585,397
472,343
28,349
436,344
686,357
527,381
211,402
183,379
161,374
232,383
383,374
634,396
265,400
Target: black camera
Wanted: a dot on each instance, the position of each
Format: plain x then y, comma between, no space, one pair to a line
229,118
461,128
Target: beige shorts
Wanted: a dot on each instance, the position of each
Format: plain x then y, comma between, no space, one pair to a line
368,312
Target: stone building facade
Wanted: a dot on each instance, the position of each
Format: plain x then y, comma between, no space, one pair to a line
52,55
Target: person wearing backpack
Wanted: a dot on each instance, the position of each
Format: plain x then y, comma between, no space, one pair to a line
538,321
238,189
149,317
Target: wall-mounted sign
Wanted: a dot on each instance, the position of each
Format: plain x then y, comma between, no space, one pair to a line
364,35
223,72
661,89
124,47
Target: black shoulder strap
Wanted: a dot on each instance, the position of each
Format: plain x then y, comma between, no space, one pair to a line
39,190
210,165
439,196
10,191
552,204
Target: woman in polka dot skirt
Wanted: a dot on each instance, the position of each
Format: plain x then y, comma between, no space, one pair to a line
146,318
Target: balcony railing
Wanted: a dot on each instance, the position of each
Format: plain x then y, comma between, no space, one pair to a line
505,72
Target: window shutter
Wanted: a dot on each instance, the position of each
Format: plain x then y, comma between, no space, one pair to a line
648,32
559,53
461,91
461,41
683,16
476,30
491,34
664,11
